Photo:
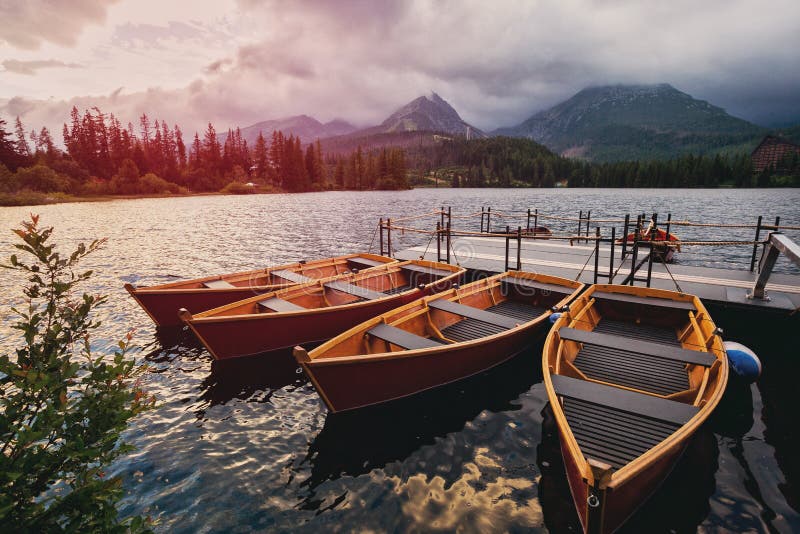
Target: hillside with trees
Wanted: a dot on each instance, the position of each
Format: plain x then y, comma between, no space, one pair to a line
103,157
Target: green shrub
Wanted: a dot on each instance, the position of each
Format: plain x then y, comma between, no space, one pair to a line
62,408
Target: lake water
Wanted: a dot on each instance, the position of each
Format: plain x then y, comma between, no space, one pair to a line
249,446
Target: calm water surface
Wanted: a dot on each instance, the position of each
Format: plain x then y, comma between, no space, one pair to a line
249,446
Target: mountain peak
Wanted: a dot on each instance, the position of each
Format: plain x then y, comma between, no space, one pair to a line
429,113
613,122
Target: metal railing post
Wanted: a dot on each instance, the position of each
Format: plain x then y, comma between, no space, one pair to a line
448,242
528,222
519,248
438,241
611,257
389,237
380,240
489,220
588,218
625,236
508,238
482,212
535,220
755,245
596,252
580,225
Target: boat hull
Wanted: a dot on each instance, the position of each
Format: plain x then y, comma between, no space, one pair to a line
364,381
162,305
236,337
619,503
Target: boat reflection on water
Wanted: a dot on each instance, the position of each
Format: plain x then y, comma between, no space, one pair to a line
253,379
679,505
356,442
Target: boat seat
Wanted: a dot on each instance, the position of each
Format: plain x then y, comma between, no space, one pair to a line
644,332
617,426
426,270
398,289
401,338
526,284
474,313
353,289
666,410
636,346
358,260
292,276
218,284
279,305
647,301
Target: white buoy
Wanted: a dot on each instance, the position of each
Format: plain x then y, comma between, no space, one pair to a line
743,361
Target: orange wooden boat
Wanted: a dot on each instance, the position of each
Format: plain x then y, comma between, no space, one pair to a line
315,311
162,302
434,340
631,373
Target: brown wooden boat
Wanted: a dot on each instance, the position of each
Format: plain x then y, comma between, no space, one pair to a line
315,311
434,340
162,302
631,373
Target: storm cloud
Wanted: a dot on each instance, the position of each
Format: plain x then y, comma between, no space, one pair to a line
496,63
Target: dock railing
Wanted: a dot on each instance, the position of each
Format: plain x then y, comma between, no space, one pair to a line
642,242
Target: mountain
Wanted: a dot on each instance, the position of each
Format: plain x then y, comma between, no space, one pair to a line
308,129
424,121
626,122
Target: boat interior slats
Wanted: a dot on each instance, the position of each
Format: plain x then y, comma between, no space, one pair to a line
469,329
633,370
606,439
527,284
647,406
473,313
360,262
401,338
297,278
649,301
426,270
657,350
398,289
279,305
358,291
517,310
643,332
218,284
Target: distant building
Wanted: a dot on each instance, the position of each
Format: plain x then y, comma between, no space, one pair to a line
771,151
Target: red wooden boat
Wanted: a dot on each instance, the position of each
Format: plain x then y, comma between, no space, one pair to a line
663,249
315,311
162,302
631,373
434,340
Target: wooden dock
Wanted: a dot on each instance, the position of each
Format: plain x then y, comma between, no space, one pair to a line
725,287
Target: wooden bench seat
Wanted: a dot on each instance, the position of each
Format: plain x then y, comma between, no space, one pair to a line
218,284
647,301
426,270
658,350
352,289
358,260
474,313
526,284
292,276
620,399
279,305
401,338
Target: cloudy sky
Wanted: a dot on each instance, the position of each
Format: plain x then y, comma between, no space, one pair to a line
236,62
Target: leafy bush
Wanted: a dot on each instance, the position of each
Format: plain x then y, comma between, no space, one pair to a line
62,408
238,188
152,184
42,178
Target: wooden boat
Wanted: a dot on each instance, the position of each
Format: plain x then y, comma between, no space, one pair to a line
434,340
663,250
162,302
315,311
631,373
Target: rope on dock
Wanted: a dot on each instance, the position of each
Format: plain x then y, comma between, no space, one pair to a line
420,216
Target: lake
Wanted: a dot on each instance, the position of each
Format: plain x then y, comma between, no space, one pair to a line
249,446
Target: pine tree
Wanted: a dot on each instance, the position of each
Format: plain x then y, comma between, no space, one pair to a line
260,158
22,144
